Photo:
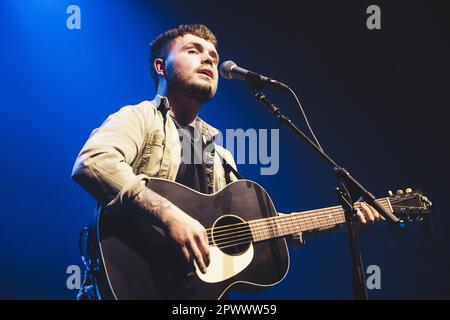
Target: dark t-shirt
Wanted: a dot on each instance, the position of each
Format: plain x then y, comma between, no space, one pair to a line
192,173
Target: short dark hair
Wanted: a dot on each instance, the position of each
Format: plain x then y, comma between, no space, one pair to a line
159,46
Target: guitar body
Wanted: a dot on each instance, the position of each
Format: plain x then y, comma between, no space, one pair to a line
138,261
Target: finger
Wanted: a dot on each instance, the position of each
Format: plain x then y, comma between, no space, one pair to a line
375,213
380,217
367,212
186,253
202,242
197,256
208,257
360,215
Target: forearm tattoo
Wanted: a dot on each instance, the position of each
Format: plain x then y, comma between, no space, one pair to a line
151,202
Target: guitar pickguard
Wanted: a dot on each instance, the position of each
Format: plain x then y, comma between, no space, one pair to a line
224,266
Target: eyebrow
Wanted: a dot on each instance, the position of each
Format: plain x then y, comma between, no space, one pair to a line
213,53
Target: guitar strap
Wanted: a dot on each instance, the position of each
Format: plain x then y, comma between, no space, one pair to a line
229,169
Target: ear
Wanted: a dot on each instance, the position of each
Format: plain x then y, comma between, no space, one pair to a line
159,66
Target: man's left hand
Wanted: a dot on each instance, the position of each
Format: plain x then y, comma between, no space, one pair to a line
366,213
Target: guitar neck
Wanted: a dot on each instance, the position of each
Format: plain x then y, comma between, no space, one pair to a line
284,225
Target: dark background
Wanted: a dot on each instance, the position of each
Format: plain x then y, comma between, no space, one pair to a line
376,99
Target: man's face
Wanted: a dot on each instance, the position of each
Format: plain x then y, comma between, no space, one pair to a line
191,67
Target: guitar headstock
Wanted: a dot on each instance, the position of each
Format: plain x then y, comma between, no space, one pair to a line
410,205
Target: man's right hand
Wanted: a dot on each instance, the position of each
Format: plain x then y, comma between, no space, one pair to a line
187,232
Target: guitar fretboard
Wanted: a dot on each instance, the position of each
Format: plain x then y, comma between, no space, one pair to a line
283,225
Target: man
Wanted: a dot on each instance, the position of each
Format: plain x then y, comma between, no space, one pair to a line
143,141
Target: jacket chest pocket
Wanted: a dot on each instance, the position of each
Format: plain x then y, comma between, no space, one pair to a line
152,154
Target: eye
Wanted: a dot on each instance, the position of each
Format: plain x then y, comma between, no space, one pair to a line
192,51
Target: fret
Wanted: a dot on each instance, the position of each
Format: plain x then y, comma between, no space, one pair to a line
273,228
293,225
286,226
320,217
264,229
282,226
324,218
315,221
260,234
269,229
301,226
253,231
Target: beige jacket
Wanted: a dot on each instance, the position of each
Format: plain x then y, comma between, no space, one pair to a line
134,144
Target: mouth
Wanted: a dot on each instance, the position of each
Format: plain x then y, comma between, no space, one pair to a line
207,73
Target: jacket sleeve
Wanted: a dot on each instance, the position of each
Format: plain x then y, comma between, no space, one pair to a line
103,166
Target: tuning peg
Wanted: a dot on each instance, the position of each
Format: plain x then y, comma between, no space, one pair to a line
408,190
399,191
426,200
390,193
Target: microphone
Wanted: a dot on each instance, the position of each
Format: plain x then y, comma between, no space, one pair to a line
230,70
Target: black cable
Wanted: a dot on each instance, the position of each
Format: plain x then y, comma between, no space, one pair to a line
83,231
305,117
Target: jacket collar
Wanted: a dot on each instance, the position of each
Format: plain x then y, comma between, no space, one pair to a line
208,132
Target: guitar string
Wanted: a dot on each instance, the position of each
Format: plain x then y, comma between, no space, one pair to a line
268,226
409,207
281,226
303,215
280,221
243,241
272,234
304,212
262,234
266,230
244,225
289,221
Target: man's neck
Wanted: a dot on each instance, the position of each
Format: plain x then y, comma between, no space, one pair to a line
183,108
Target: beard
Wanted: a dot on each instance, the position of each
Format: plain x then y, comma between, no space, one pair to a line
200,92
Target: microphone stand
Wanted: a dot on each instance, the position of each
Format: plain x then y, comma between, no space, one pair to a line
346,181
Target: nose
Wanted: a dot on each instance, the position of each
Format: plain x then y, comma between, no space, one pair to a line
207,59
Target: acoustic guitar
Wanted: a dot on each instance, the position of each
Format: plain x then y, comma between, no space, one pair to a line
246,236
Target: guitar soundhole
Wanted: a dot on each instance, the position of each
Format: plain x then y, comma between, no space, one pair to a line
231,235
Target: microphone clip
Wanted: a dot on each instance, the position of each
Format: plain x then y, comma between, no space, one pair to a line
256,82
